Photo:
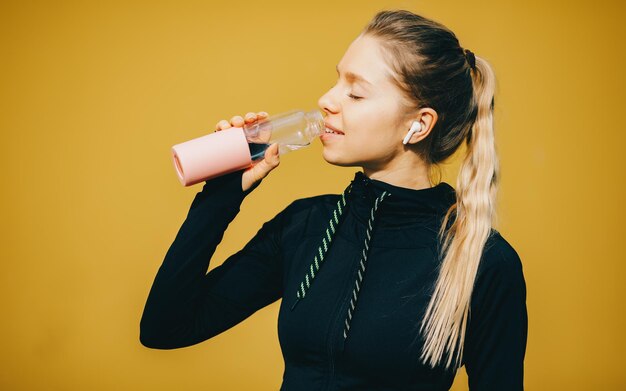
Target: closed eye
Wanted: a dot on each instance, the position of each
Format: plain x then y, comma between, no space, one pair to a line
355,97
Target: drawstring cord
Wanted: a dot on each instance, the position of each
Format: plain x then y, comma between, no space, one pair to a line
301,293
361,271
323,249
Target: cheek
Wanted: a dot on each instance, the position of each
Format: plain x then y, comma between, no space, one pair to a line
375,127
363,117
371,141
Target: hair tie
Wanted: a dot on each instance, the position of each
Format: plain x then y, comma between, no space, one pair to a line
471,59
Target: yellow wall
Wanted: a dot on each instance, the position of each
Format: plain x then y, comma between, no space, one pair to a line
94,94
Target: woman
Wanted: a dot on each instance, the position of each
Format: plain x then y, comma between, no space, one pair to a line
398,281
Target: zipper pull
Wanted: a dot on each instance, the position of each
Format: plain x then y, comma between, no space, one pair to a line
294,304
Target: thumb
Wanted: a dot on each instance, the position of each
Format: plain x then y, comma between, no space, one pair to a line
269,162
272,156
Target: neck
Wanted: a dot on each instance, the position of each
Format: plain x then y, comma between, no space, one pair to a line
413,177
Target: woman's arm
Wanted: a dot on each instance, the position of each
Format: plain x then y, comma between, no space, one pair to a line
498,326
186,305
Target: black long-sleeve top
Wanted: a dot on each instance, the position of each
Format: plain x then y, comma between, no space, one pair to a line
186,305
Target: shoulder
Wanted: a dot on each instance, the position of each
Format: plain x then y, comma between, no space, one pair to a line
500,266
499,254
499,294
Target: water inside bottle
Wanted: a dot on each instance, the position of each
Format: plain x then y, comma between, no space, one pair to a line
284,148
257,150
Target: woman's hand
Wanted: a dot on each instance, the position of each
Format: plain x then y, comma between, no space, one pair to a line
271,159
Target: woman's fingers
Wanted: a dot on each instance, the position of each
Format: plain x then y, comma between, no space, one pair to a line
223,124
239,121
250,117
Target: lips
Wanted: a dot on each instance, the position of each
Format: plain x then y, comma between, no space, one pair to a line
333,128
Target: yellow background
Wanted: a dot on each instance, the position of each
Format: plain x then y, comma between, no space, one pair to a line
94,94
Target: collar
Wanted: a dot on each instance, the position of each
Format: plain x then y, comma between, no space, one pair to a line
402,205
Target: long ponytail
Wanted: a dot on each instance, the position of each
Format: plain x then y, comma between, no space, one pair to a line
447,314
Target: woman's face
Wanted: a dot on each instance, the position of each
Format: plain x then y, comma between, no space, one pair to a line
367,110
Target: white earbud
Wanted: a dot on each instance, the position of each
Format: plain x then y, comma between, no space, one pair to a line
416,127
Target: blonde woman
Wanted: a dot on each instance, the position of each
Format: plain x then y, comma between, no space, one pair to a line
401,279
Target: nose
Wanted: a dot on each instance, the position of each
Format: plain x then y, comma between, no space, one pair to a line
327,103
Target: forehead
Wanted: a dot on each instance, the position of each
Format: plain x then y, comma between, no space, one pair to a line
364,57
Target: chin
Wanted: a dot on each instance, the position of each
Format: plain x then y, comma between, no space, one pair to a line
335,160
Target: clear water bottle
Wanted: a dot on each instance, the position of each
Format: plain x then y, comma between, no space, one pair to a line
236,148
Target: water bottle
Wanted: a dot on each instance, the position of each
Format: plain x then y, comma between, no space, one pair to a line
233,149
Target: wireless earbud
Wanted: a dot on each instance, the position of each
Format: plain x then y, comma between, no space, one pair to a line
416,127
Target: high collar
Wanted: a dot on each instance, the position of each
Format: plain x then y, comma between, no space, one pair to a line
402,205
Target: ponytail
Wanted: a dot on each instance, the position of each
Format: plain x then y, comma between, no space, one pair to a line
447,314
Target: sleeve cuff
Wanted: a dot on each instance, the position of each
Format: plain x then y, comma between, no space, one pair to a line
229,185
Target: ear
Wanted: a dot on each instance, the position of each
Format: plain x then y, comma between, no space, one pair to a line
427,118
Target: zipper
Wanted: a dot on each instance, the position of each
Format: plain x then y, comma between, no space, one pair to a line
331,341
366,182
334,328
332,363
340,315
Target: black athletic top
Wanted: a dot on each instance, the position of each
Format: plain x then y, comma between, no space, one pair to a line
341,325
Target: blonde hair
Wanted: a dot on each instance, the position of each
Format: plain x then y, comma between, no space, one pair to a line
432,70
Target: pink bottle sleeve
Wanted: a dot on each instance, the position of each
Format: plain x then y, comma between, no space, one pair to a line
210,156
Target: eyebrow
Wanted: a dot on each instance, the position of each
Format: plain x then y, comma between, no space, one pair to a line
353,76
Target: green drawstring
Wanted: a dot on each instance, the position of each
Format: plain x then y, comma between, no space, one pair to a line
323,249
340,203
